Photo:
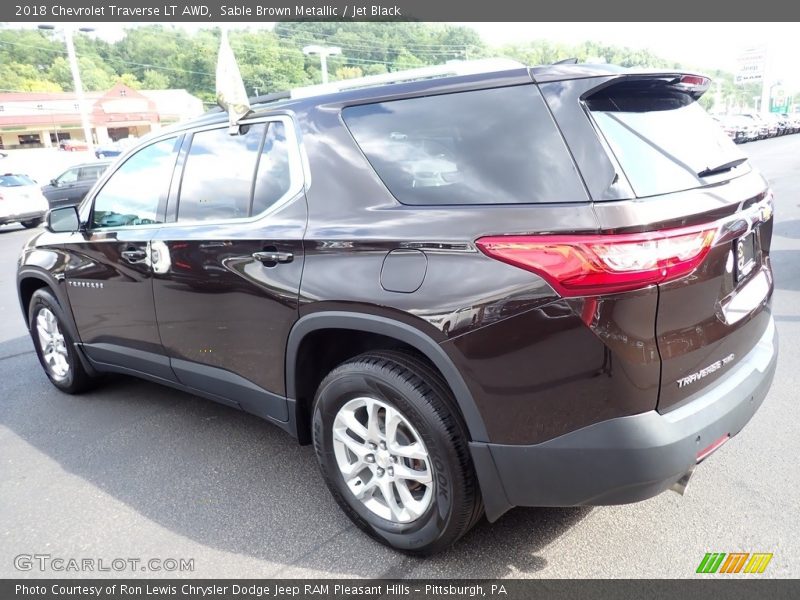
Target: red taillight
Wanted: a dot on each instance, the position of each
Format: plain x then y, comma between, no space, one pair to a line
590,265
695,80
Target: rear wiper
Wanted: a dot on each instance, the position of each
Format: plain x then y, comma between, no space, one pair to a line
721,168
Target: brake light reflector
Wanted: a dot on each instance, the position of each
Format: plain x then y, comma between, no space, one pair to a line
708,450
587,265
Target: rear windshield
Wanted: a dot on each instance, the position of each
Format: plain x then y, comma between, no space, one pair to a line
15,180
496,146
664,140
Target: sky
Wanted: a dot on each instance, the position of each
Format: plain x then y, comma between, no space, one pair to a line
704,45
709,45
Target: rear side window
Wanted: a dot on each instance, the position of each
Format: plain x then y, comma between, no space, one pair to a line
497,146
663,139
234,176
90,173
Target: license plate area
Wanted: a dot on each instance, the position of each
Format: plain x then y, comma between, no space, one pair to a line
744,253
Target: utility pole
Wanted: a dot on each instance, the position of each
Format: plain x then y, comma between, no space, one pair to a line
324,52
76,81
766,84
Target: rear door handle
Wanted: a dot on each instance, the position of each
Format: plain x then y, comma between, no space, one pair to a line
134,256
271,258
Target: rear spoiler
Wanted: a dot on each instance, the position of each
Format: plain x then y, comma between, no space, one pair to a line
694,84
686,83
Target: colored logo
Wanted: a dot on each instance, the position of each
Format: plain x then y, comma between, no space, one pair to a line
735,562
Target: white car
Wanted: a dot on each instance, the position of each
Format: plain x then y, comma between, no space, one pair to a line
21,201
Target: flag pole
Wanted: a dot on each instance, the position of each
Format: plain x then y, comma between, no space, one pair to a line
231,93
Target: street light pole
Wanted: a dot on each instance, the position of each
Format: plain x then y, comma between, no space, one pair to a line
324,52
76,81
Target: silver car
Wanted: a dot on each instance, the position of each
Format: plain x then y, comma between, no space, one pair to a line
21,201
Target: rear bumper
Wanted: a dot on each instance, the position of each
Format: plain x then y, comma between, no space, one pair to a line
37,214
630,458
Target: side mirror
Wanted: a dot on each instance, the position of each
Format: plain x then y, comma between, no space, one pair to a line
54,182
64,219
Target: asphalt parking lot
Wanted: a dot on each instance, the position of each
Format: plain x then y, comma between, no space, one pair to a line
134,470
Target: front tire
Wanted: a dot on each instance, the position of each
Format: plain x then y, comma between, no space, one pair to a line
54,344
32,223
393,452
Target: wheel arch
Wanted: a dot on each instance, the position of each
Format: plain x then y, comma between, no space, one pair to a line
31,279
389,328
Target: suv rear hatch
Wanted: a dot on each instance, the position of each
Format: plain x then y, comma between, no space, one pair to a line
686,173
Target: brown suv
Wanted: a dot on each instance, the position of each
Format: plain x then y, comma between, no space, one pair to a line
521,287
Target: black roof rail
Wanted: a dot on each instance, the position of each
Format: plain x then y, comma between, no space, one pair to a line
567,61
273,97
260,99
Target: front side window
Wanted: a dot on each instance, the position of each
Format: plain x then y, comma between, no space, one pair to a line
70,176
234,176
496,146
136,192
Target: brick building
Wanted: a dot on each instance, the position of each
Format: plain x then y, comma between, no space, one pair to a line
43,119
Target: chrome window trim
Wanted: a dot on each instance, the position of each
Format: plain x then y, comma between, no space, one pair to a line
297,153
297,172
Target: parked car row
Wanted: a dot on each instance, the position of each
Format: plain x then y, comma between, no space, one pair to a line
747,127
24,201
114,148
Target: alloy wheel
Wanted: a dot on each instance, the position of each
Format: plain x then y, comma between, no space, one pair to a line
383,460
52,344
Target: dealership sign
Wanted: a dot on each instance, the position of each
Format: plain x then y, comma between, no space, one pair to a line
751,65
779,102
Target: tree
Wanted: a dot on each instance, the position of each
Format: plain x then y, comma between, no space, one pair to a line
164,56
348,73
16,77
130,80
155,80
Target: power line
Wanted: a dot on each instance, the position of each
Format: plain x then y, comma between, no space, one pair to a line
304,38
45,48
334,38
331,36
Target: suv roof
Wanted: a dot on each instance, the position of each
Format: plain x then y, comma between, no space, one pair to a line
482,68
452,76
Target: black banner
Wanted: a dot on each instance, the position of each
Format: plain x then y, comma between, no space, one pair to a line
408,10
716,587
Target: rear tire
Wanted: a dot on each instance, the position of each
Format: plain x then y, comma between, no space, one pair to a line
32,223
54,344
434,497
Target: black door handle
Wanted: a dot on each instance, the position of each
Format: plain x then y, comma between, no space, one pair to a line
134,256
272,258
